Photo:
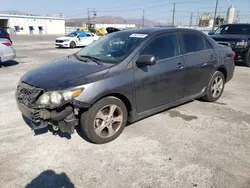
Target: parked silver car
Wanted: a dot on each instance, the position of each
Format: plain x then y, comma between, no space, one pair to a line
7,51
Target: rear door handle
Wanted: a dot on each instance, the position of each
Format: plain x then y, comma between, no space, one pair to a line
179,65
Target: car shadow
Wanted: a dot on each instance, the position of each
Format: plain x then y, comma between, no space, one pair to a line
46,130
241,65
161,112
55,133
8,63
49,178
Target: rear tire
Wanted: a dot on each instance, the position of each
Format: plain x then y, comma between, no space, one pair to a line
215,87
72,44
105,120
247,59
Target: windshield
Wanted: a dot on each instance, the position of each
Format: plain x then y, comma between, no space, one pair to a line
71,35
234,29
113,48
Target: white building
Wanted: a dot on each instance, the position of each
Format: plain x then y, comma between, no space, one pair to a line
30,24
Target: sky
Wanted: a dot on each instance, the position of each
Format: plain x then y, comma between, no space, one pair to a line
157,10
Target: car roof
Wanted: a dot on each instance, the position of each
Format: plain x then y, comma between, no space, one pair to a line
158,30
237,24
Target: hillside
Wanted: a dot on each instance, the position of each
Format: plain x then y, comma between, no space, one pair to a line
110,20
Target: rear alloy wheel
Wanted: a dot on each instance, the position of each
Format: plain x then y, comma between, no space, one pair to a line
72,44
105,120
247,59
215,87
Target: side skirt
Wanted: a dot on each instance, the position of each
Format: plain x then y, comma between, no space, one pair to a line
138,116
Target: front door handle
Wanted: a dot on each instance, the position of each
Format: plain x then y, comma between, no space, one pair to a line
179,65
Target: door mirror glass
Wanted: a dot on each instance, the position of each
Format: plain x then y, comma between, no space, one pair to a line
210,33
145,60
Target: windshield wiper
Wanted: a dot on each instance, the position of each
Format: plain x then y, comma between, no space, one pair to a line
95,59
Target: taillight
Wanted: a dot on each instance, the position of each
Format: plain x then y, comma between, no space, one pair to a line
233,54
6,44
8,36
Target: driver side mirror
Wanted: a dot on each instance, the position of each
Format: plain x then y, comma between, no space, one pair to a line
210,32
146,60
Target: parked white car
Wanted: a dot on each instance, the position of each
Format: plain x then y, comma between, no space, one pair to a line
7,51
76,38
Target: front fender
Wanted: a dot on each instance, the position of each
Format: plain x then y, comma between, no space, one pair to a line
121,83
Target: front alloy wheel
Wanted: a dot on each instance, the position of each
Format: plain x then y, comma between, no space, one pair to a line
105,120
108,121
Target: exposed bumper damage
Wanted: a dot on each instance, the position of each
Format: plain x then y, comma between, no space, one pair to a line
62,118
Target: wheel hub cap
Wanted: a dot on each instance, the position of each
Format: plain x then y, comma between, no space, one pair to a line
108,121
217,86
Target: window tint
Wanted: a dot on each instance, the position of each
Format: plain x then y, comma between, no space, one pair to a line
192,42
207,44
163,47
2,33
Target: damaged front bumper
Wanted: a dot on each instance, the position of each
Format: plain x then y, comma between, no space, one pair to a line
63,117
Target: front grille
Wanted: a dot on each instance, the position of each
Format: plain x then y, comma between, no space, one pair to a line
59,41
232,43
27,94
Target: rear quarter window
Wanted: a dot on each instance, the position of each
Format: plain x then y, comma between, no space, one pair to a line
192,42
207,44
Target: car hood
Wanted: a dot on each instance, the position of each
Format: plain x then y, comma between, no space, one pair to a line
64,73
230,37
64,38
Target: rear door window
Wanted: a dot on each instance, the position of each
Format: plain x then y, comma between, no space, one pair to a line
2,33
192,42
163,47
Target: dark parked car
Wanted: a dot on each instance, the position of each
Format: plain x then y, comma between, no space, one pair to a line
238,37
4,34
125,76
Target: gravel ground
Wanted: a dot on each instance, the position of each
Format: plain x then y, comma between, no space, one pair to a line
194,145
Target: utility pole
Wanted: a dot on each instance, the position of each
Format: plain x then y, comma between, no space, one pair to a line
198,15
173,14
88,16
143,18
215,11
238,16
191,20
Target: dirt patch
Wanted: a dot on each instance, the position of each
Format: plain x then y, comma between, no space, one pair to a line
175,113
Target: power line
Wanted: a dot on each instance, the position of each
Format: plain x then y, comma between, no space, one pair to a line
134,9
134,5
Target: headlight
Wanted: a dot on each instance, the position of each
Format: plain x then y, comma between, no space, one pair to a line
66,40
55,98
242,44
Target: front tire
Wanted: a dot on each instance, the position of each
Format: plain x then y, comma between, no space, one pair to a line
215,87
72,44
105,120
